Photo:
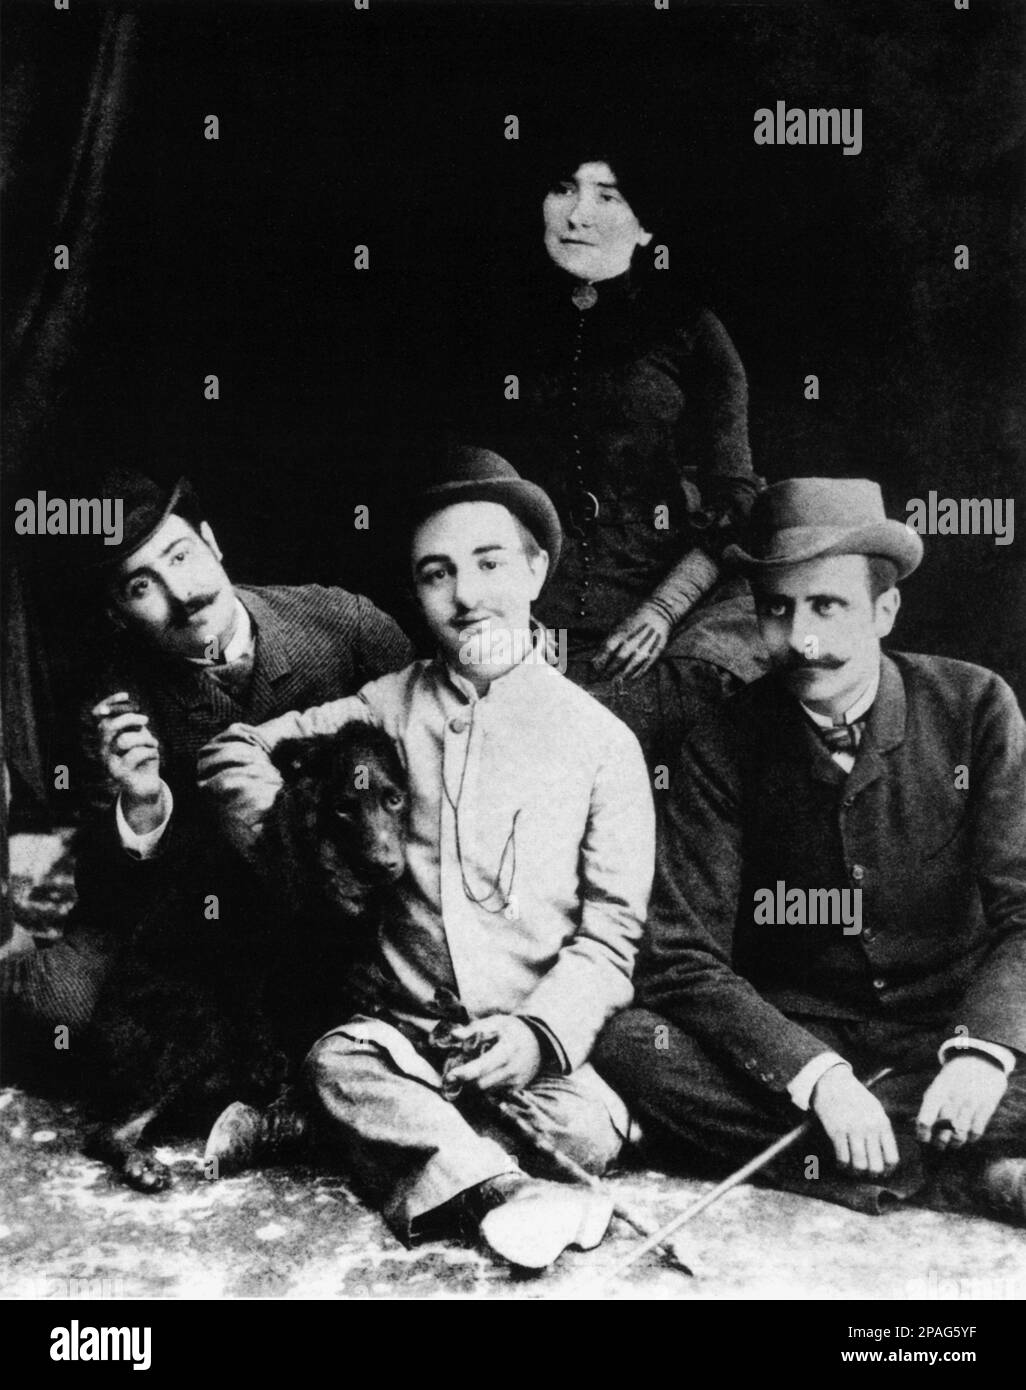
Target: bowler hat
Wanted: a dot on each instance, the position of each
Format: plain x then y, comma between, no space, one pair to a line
146,506
808,518
478,475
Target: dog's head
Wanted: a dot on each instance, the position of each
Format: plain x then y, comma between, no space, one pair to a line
343,810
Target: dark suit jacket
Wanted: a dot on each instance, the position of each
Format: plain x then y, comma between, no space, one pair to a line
757,799
313,644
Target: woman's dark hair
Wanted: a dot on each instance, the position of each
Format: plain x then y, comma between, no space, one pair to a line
630,157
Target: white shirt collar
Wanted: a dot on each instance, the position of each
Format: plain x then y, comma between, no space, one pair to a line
853,712
509,682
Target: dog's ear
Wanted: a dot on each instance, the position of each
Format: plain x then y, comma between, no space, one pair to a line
379,746
298,758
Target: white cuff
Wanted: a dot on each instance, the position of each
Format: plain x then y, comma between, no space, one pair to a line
801,1087
1004,1056
144,846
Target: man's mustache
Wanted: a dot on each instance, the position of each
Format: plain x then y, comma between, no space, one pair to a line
182,612
794,661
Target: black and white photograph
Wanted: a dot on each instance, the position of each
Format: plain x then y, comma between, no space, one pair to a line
514,661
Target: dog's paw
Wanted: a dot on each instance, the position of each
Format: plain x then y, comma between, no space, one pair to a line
146,1173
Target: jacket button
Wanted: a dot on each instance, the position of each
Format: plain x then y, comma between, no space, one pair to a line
879,982
457,725
858,873
848,801
868,934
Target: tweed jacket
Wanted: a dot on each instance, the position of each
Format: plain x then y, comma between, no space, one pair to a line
311,644
531,842
930,825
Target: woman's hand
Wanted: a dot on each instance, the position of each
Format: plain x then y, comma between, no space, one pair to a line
635,645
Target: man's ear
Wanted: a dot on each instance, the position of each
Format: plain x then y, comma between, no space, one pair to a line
643,237
539,567
886,611
207,535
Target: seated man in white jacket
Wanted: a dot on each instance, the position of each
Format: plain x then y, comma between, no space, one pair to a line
530,858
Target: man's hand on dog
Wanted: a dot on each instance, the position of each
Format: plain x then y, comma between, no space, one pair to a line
960,1101
131,757
513,1060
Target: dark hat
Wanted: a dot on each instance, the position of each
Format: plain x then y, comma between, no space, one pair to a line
478,475
806,518
146,506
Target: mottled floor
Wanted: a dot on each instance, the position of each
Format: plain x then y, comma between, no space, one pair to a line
67,1230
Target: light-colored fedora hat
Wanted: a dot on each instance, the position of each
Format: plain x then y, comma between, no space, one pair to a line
808,518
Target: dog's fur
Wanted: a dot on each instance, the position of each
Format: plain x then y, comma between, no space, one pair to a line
198,1014
337,831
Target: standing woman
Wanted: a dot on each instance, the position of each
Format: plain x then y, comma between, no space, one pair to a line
632,414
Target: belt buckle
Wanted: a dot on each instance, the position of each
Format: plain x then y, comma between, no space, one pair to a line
592,504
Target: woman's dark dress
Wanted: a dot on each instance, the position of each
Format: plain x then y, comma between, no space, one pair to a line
634,420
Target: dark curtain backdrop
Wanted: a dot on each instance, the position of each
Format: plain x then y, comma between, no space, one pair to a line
385,127
65,92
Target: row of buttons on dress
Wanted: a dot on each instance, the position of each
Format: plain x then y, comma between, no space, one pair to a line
575,376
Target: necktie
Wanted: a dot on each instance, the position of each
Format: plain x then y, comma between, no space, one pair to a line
842,738
232,676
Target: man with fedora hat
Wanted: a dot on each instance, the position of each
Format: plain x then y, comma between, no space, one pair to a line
191,653
841,887
529,863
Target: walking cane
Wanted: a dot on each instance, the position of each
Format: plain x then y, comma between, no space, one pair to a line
511,1112
753,1166
517,1116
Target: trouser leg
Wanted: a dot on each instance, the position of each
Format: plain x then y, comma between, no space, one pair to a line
579,1115
693,1108
47,1000
687,1103
417,1151
58,984
697,1112
403,1140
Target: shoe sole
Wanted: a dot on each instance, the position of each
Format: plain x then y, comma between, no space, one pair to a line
532,1232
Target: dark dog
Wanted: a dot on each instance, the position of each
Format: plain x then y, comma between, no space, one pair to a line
196,1016
336,832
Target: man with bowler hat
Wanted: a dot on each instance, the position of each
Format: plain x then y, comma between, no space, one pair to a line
529,863
892,786
191,653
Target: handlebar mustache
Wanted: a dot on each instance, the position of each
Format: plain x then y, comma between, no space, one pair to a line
794,662
182,612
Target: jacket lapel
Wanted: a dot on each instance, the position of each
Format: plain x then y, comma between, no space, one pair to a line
273,658
186,685
885,728
798,741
